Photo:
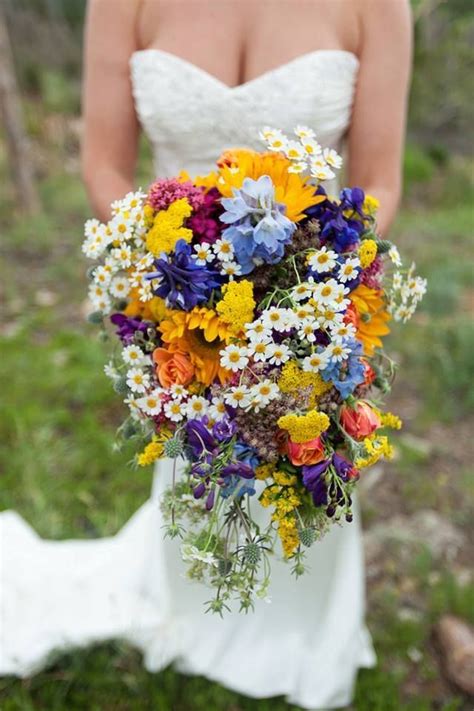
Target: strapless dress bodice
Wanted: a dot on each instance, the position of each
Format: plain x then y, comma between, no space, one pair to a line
190,116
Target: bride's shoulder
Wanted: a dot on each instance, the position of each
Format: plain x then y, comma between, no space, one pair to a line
385,22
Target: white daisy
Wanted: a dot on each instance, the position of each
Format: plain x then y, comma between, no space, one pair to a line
303,290
145,290
338,352
102,303
278,319
96,291
323,260
258,349
231,269
263,393
342,331
177,391
394,255
330,317
132,403
111,371
92,227
304,132
203,254
234,357
223,249
349,270
133,355
277,353
311,147
267,133
297,167
321,171
332,158
315,362
307,330
327,291
120,287
294,151
397,281
121,227
174,410
123,256
151,404
217,410
257,332
303,312
238,396
137,380
277,142
196,406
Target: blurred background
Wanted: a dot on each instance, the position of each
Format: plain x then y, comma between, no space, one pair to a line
59,413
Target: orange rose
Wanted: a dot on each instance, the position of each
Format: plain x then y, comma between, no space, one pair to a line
302,453
360,420
172,368
369,373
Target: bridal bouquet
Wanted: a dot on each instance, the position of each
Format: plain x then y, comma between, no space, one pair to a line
250,305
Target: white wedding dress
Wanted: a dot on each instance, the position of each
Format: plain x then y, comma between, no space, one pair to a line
309,641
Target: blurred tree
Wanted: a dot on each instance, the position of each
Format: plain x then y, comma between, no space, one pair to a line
12,118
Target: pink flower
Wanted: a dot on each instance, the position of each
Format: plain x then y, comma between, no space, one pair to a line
359,421
162,193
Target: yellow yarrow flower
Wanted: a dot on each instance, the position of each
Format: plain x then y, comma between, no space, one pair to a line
292,380
264,471
288,533
375,447
168,228
284,478
303,428
371,205
155,449
390,420
237,305
367,252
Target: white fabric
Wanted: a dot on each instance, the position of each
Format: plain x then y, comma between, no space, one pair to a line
308,643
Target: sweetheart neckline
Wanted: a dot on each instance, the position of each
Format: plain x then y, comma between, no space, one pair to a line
270,72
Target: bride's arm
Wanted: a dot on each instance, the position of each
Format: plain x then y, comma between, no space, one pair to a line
110,139
377,132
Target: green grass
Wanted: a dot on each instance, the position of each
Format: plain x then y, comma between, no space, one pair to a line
61,472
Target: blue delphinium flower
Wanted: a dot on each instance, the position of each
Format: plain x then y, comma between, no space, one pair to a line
182,282
346,376
247,457
258,228
341,223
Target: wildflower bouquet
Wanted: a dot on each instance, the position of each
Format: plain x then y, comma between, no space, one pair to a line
251,305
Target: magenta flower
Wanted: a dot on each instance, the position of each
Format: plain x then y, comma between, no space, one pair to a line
164,192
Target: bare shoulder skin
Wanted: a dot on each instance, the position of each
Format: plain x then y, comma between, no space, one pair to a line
235,41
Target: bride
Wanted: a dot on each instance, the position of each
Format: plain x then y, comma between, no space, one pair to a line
198,76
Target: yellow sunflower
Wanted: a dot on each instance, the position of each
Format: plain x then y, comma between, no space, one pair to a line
290,188
153,310
201,334
370,317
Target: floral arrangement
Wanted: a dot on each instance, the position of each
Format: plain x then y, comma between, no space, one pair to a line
251,307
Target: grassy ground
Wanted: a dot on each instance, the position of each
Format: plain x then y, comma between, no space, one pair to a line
60,472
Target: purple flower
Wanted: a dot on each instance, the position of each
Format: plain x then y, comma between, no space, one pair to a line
200,439
128,327
182,282
344,469
313,479
224,429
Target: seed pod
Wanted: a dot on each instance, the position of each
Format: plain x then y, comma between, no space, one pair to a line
96,317
120,385
307,536
252,554
173,447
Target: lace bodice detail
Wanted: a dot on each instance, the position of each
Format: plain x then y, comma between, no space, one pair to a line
190,116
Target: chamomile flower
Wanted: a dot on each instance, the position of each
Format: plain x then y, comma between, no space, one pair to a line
231,269
132,403
338,352
120,287
307,330
262,394
151,403
196,406
315,362
277,142
137,380
268,133
278,319
122,227
277,353
311,147
303,290
320,170
416,287
257,331
303,312
92,228
145,291
397,281
123,256
96,292
349,269
394,255
174,410
294,151
133,202
326,292
238,396
323,260
133,355
203,254
223,249
329,317
258,349
177,391
234,357
342,331
217,409
332,158
102,303
297,167
304,132
404,312
91,249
